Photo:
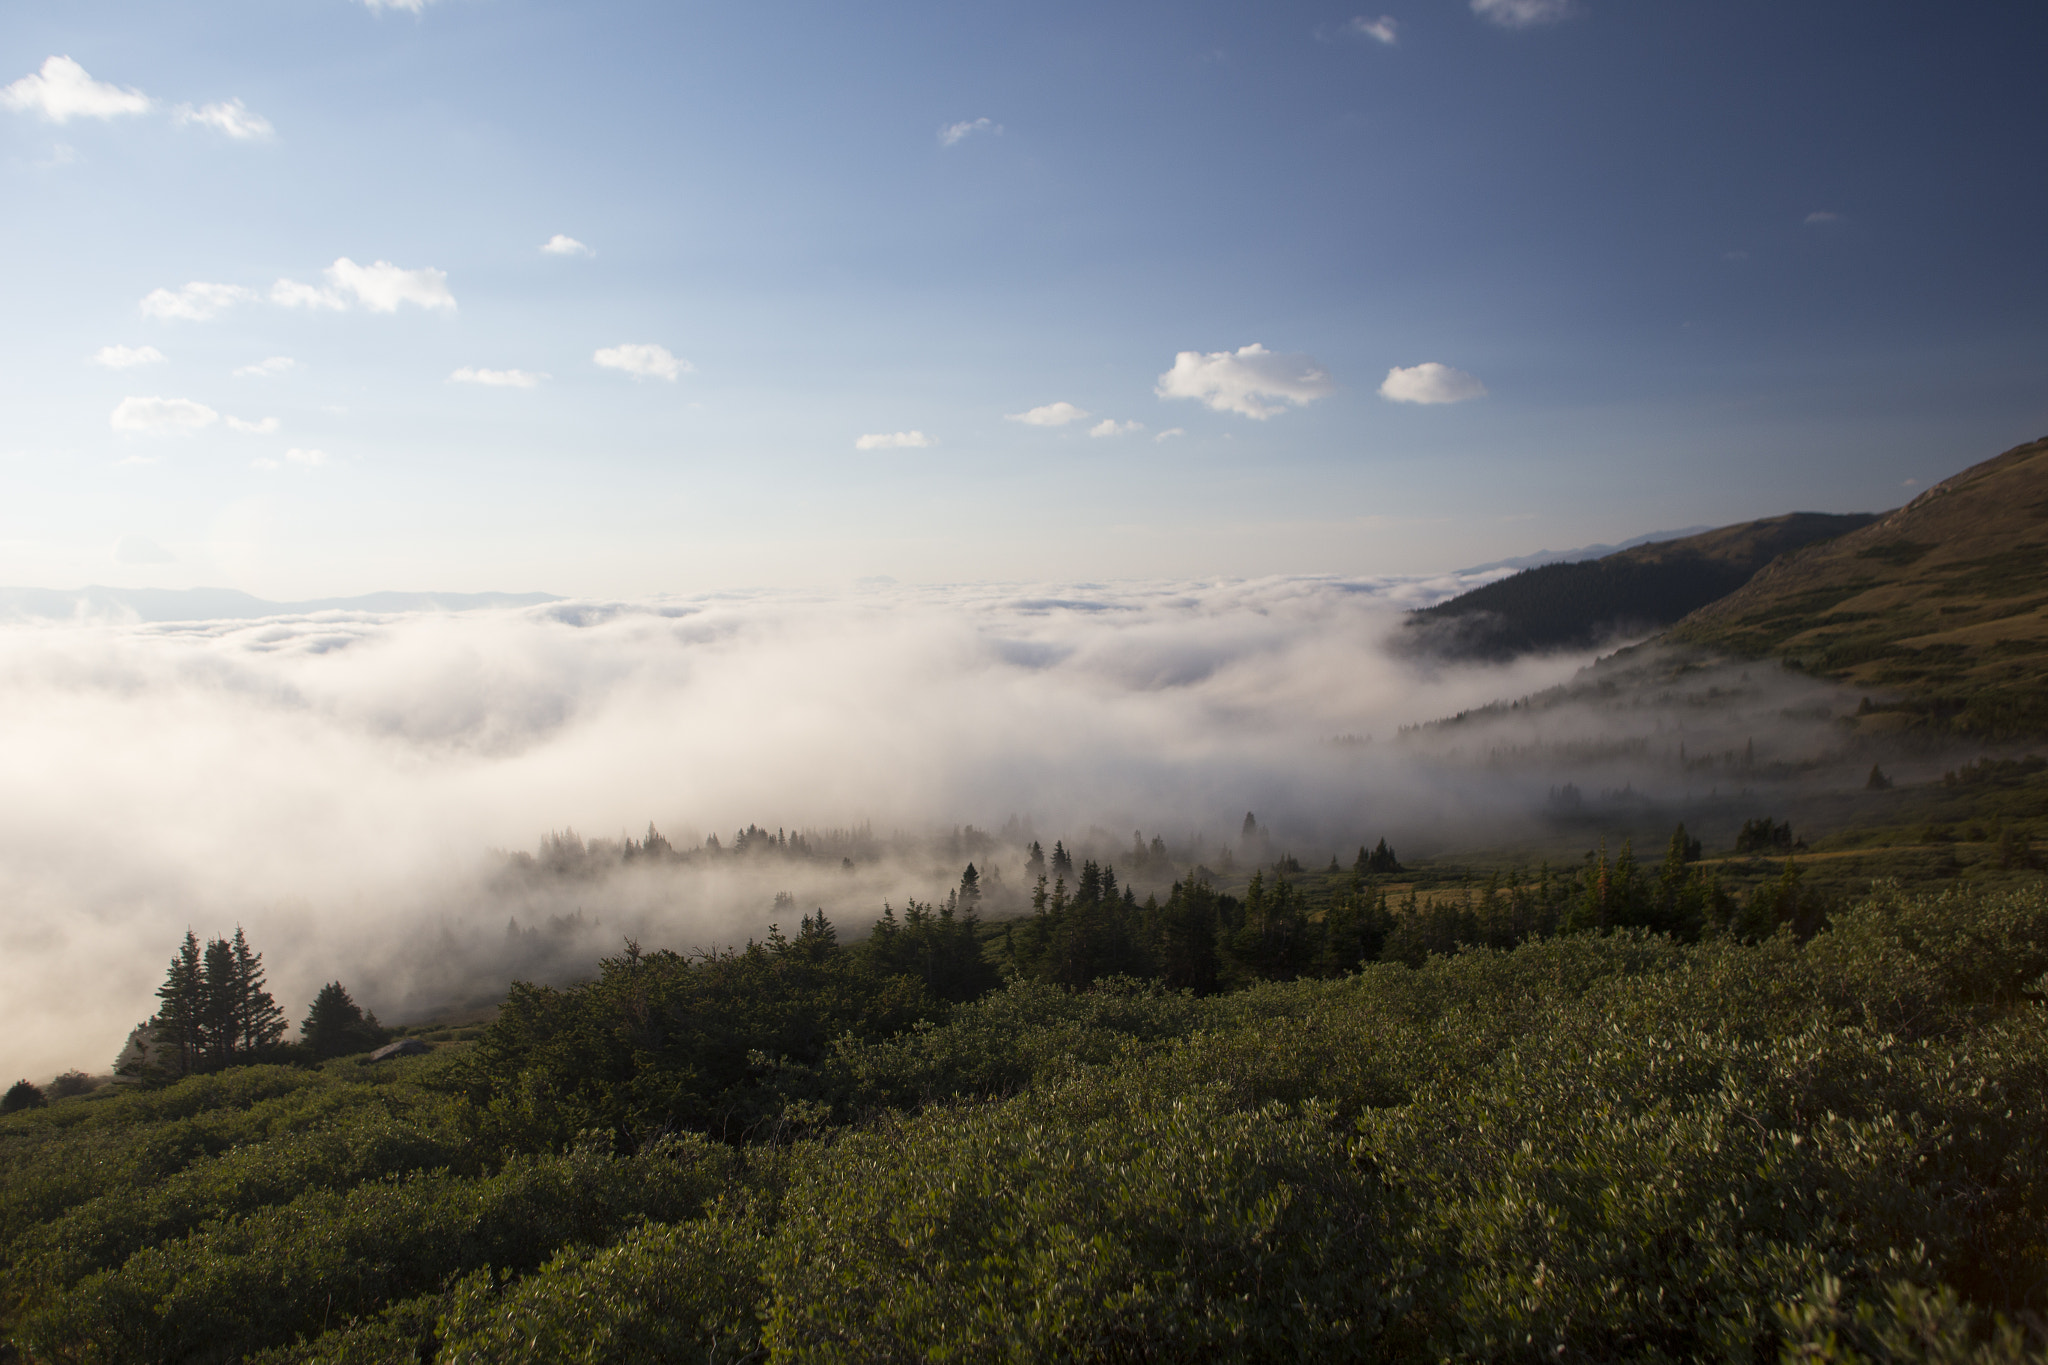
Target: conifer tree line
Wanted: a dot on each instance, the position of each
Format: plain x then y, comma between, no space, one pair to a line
213,1011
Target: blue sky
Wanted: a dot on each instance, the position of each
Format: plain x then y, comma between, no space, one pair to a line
1677,264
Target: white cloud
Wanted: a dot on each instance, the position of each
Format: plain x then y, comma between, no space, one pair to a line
497,379
141,550
643,360
1049,415
161,416
307,459
127,357
1384,29
62,91
1430,382
382,286
894,440
379,287
1523,13
196,302
409,6
292,294
562,244
1821,218
264,427
1109,426
1244,380
1171,432
952,133
264,369
230,117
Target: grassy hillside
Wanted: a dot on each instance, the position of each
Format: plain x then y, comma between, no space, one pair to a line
1563,606
1940,609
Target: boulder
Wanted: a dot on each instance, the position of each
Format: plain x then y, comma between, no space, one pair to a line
404,1047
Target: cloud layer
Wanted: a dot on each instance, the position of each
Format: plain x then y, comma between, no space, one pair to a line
1251,380
1430,382
1523,13
334,782
127,357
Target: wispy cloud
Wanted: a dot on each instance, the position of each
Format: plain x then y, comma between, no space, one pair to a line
1048,415
561,244
265,369
127,357
952,134
62,91
894,440
497,379
196,302
230,117
409,6
1821,218
1385,29
1523,13
1251,380
262,427
1170,433
161,416
379,287
1109,426
1430,382
643,360
305,459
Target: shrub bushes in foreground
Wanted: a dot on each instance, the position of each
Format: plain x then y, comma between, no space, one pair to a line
1589,1148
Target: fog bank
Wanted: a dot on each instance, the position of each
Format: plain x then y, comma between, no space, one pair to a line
336,781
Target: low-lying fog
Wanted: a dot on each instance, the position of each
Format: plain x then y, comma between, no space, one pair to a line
348,786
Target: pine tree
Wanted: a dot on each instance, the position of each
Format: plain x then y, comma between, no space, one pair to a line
1062,861
969,896
258,1022
336,1025
178,1022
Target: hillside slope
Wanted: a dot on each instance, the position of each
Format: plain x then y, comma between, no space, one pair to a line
1943,603
1566,606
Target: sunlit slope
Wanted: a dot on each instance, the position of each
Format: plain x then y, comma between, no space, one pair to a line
1565,606
1942,604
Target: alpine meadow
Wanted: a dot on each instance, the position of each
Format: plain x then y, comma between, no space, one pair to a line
754,685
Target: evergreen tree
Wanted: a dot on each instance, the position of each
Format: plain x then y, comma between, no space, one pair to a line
1062,861
179,1020
1034,866
336,1026
968,897
258,1021
21,1095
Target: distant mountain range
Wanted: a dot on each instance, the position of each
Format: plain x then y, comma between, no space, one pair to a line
1573,605
1542,557
228,604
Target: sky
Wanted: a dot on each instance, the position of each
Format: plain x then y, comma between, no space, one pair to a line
317,297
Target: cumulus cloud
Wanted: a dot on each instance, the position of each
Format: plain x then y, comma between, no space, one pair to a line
497,379
643,360
894,440
141,550
1170,433
265,369
1251,380
261,427
1821,218
1048,415
1430,382
127,357
561,244
196,302
230,117
952,134
161,416
62,91
1384,29
1109,426
379,287
1523,13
